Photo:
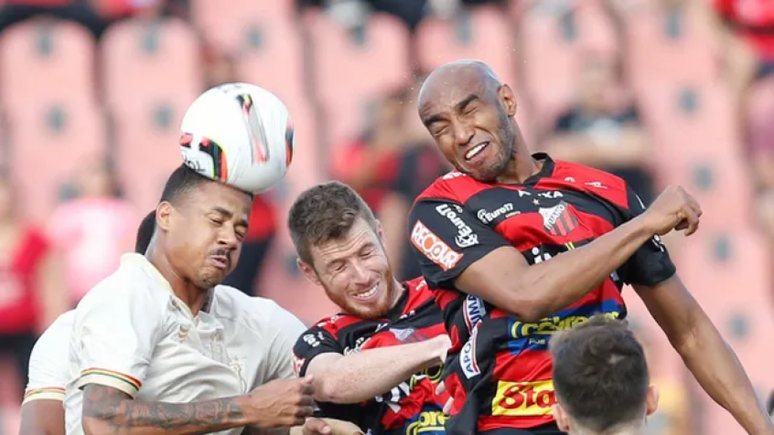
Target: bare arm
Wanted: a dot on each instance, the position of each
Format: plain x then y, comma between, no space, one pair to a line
533,292
42,417
110,411
693,336
366,374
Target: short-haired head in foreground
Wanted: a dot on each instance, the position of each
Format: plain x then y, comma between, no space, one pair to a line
145,232
341,248
200,224
601,379
470,114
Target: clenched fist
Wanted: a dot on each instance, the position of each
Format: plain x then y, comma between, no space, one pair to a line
281,403
674,209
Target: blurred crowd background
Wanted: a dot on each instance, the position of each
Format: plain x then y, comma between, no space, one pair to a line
657,91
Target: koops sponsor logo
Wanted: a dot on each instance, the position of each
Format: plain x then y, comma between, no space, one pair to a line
523,399
433,247
474,311
427,422
297,364
468,360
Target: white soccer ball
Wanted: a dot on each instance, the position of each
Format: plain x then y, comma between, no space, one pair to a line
239,134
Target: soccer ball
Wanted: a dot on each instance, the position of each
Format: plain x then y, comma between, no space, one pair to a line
239,134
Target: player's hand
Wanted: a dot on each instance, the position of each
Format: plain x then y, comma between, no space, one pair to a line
439,390
281,403
316,426
337,427
441,343
674,209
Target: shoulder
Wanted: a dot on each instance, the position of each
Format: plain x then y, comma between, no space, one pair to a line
336,323
259,315
593,181
454,186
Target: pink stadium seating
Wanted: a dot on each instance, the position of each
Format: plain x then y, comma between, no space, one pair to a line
491,40
736,294
551,55
277,62
349,74
44,157
38,57
227,24
655,57
151,75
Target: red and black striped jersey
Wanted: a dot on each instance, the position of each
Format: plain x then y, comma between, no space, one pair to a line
499,369
409,408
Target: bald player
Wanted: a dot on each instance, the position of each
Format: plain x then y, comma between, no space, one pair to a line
519,246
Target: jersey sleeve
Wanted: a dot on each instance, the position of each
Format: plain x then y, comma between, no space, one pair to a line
314,341
115,335
447,238
651,263
48,366
290,328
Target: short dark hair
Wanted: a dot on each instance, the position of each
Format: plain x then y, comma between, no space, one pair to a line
145,233
183,181
323,213
600,373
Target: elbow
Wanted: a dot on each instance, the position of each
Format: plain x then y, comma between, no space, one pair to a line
94,426
328,390
528,306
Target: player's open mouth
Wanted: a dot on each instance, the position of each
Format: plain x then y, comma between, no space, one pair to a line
219,261
368,294
473,152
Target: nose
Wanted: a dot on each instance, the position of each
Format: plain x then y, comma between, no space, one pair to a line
463,132
360,274
228,238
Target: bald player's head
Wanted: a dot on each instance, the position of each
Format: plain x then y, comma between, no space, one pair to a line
469,112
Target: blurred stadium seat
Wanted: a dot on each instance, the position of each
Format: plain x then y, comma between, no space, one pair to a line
482,33
151,73
48,140
231,25
353,67
38,57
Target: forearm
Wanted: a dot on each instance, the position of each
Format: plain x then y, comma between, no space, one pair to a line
723,376
550,286
112,414
369,373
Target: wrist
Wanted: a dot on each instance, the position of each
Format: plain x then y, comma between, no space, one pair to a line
640,228
249,415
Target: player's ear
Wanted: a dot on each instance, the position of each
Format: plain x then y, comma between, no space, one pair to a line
308,271
651,400
380,231
508,100
164,216
562,421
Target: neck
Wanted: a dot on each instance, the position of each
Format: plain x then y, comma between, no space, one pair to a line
632,429
522,165
184,289
398,287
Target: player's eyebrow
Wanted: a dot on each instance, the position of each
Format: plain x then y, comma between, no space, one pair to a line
464,103
228,215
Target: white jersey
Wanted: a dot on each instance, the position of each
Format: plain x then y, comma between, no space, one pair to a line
132,333
49,370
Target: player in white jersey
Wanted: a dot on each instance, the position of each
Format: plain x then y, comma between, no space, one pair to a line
42,411
160,348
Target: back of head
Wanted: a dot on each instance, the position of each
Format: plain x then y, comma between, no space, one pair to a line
325,212
145,233
600,374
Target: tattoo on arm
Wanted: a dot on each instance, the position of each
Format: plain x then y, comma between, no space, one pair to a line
120,412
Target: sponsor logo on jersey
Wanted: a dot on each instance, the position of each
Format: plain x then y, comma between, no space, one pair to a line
402,334
468,360
505,210
474,311
523,399
432,247
426,423
358,344
535,336
558,220
465,235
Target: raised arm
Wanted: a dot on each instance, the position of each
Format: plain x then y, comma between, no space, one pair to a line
497,272
365,374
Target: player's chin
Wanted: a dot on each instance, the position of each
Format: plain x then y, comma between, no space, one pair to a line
370,310
209,277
